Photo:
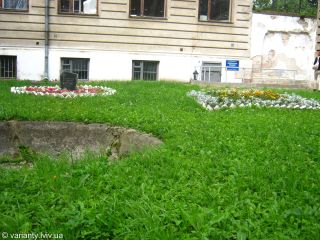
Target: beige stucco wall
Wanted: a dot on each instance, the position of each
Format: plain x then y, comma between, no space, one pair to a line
111,39
113,29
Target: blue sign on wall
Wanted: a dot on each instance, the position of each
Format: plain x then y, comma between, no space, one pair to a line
232,65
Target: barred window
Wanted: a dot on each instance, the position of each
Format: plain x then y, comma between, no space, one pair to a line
144,70
211,72
79,66
14,4
8,66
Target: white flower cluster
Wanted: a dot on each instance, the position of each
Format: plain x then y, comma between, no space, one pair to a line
56,91
290,101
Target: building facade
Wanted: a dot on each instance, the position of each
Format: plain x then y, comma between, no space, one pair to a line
126,39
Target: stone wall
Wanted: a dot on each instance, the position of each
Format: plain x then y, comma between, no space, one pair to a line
73,139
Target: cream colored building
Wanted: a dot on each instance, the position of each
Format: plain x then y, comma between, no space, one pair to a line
126,39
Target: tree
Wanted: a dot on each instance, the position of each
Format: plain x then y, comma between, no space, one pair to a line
296,7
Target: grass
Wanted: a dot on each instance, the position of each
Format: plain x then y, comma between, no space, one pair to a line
231,174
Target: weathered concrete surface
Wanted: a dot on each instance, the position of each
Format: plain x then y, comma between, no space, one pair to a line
7,141
261,84
55,138
282,47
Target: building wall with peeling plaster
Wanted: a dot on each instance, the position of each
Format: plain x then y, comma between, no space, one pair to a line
282,47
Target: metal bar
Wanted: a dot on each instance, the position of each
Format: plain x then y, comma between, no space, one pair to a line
46,45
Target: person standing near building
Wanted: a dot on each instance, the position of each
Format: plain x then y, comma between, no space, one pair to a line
316,68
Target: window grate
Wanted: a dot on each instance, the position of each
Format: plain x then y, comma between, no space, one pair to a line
211,72
144,70
79,66
8,66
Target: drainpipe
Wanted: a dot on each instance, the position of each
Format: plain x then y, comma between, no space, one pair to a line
46,42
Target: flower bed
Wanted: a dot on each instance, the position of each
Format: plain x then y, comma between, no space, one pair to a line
56,91
222,99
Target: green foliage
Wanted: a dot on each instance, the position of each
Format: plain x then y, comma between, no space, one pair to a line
229,174
296,7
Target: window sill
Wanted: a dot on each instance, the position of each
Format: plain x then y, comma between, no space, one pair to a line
147,17
79,14
216,21
13,10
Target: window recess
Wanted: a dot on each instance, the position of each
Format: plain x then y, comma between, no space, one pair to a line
147,8
14,4
79,66
214,10
8,66
78,6
144,70
211,72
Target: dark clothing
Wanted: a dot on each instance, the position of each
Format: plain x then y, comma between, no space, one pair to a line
317,60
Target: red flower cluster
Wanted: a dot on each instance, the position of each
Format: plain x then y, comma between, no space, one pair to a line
59,91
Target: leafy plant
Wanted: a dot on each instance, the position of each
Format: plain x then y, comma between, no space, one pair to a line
300,7
250,173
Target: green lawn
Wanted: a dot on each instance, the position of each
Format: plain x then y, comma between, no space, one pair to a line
230,174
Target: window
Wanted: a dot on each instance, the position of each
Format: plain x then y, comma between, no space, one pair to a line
8,66
79,66
78,6
211,72
145,70
147,8
217,10
14,4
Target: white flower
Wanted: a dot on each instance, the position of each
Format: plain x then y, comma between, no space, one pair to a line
232,105
209,107
284,101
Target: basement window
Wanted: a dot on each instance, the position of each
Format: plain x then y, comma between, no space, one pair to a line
215,10
144,70
147,8
8,66
14,4
78,6
211,72
79,66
